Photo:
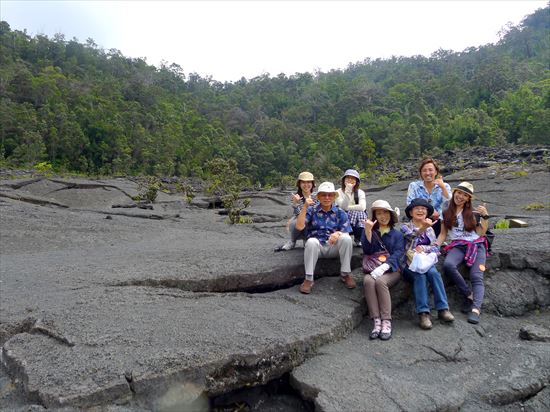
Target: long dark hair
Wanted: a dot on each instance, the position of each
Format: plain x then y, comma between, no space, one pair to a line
299,191
355,188
449,215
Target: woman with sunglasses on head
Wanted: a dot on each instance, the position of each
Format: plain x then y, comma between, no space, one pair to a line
468,244
432,188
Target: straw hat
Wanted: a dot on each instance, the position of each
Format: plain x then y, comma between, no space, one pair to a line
466,187
306,177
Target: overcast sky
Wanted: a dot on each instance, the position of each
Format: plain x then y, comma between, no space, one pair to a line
232,39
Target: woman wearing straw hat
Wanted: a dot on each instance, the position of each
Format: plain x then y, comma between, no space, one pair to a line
380,235
353,201
304,184
468,244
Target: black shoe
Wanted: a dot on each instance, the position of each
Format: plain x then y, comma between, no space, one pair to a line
473,317
467,305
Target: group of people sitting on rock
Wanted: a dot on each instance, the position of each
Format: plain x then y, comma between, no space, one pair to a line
327,219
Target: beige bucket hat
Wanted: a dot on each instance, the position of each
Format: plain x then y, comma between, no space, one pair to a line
466,187
384,205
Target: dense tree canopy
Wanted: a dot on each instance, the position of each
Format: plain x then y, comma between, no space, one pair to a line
88,110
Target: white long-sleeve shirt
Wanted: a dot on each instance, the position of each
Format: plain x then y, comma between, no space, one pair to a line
347,202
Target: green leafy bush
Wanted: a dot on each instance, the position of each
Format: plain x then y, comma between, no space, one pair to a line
44,168
535,206
225,182
148,189
187,191
502,224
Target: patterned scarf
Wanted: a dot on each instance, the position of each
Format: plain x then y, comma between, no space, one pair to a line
471,248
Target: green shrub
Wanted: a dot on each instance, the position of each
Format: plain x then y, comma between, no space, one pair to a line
387,178
535,206
148,189
44,168
187,191
225,182
502,224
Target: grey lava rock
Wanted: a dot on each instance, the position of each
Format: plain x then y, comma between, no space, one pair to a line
535,333
120,309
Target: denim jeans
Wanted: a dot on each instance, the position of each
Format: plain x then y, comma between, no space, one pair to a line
454,258
420,286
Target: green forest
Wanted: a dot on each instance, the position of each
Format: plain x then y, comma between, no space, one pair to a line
80,109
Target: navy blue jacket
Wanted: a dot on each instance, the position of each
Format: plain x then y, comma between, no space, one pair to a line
394,243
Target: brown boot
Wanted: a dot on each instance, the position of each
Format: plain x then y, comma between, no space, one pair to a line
445,315
348,281
425,322
306,287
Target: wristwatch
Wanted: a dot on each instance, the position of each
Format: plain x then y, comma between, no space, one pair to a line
485,217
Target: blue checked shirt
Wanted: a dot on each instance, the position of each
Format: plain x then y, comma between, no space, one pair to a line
436,199
321,224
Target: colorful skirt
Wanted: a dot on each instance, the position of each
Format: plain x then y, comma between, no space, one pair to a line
356,217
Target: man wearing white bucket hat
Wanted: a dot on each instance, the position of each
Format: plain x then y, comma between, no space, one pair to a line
328,236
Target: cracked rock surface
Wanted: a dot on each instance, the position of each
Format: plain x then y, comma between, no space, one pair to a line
107,306
457,367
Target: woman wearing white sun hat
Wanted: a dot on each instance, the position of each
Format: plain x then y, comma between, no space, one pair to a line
380,235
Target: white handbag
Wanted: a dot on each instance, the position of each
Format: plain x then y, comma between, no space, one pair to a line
422,262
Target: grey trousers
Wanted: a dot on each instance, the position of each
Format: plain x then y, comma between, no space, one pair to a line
314,250
295,234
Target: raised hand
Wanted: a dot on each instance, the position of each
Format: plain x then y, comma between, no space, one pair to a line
295,198
369,224
427,222
439,181
482,209
309,202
